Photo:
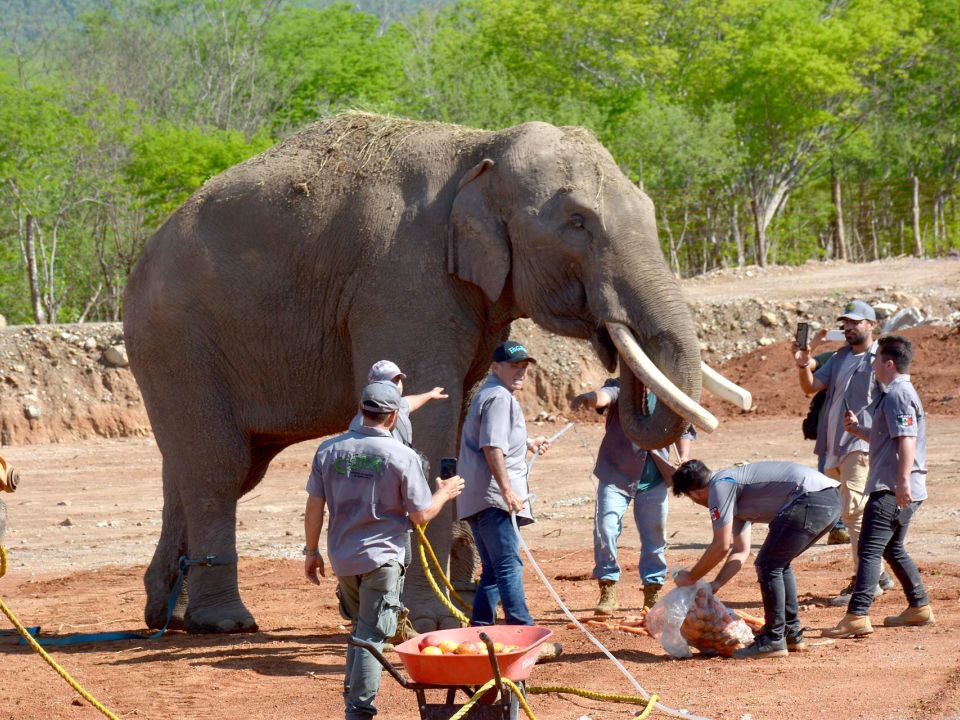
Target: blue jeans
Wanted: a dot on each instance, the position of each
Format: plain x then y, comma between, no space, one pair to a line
650,515
371,601
501,574
792,531
884,530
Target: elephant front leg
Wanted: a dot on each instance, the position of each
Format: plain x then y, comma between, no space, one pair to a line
214,604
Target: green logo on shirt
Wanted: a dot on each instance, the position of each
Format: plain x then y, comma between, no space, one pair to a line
346,465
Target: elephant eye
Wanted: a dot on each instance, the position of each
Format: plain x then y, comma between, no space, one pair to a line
577,221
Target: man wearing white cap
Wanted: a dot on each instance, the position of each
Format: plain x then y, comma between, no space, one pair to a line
389,371
850,384
373,487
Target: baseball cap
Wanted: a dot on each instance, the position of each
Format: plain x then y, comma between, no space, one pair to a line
382,397
511,351
384,370
858,310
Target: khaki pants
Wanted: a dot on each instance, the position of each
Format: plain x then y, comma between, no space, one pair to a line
852,474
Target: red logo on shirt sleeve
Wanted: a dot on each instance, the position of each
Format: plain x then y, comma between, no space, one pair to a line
714,513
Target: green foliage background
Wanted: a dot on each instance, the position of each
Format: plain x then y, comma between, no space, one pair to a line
736,116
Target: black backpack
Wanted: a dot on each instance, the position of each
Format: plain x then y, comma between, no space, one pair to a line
811,423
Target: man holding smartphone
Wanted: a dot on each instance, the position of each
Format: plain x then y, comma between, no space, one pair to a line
850,384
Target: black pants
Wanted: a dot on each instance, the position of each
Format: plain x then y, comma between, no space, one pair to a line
793,530
882,535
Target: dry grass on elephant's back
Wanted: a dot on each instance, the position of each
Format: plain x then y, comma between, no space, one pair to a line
771,375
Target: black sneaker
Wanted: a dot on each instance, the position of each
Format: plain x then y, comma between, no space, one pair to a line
762,647
843,599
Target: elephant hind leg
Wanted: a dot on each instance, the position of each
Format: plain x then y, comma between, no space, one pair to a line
162,573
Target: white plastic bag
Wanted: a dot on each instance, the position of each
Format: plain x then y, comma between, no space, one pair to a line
692,615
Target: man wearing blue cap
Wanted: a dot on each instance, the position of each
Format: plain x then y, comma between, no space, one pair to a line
493,452
850,384
373,487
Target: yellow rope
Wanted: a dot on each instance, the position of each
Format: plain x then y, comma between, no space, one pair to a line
43,653
421,532
484,688
594,695
464,620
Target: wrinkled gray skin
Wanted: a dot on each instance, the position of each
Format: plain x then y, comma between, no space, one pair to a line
255,311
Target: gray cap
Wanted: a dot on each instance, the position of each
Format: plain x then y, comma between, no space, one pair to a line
858,310
384,370
382,397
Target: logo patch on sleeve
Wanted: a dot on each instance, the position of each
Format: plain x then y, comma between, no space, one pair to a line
905,421
714,513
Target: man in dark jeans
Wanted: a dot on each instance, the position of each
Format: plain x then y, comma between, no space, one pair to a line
800,505
896,487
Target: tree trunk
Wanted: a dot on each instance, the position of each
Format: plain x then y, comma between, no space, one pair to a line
760,235
839,241
39,316
674,262
737,237
917,242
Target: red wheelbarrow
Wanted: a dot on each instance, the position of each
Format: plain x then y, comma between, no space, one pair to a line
467,673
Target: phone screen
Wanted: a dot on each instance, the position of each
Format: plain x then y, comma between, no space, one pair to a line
803,335
448,468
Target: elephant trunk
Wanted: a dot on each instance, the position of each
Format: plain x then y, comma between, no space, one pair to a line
661,356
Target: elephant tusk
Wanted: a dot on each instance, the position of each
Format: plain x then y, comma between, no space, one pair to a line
725,389
650,375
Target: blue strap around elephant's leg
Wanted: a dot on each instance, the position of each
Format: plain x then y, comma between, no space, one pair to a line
183,565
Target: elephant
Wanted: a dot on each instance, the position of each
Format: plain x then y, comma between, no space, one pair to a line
253,313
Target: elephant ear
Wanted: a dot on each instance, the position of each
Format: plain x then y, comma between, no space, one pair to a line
478,246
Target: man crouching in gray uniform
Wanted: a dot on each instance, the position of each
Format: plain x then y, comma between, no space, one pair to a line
800,505
373,487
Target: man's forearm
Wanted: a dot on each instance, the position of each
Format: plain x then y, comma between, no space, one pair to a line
711,556
313,522
906,452
498,467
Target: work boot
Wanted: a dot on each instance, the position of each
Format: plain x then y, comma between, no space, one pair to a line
405,630
651,593
844,597
851,626
762,647
607,604
838,536
549,652
796,641
911,616
886,582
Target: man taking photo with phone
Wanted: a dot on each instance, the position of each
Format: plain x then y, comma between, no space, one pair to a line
850,384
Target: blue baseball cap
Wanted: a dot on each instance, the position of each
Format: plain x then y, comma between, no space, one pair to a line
511,351
858,310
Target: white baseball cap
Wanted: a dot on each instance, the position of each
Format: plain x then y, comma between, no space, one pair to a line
384,370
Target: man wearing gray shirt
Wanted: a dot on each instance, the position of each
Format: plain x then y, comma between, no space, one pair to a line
373,487
850,384
492,462
896,488
799,504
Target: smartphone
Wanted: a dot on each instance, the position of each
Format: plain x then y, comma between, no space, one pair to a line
448,468
803,335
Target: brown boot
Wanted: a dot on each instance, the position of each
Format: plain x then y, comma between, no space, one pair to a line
651,593
607,604
549,652
911,616
851,626
838,536
405,631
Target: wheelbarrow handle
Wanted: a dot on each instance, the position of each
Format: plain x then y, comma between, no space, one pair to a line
375,651
492,656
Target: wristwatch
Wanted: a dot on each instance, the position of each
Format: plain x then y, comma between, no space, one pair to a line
311,553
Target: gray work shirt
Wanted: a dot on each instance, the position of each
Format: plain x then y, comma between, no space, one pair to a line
756,492
620,463
370,481
859,392
898,413
493,420
402,431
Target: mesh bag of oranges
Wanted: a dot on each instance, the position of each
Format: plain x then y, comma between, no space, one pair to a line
692,616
